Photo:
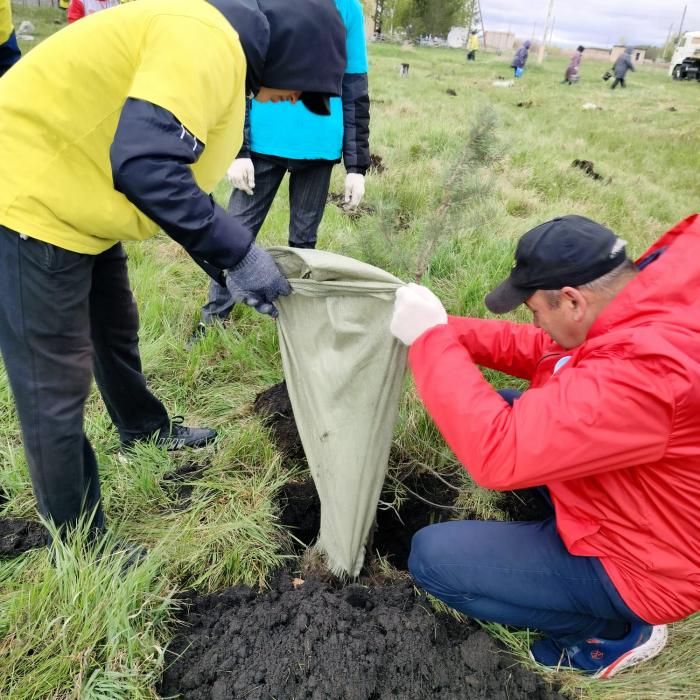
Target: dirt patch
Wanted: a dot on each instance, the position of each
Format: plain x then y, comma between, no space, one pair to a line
362,209
275,408
587,167
376,163
18,535
178,484
525,504
355,643
428,498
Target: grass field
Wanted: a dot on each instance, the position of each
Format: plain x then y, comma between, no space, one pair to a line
78,629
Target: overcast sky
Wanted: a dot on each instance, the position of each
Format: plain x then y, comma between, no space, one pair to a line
593,22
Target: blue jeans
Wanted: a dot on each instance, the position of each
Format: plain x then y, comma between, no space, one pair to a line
518,574
309,181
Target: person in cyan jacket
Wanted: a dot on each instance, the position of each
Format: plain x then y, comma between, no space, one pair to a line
608,431
520,58
288,138
9,50
623,64
78,175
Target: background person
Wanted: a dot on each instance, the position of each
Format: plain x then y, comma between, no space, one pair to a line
146,157
9,50
520,59
472,45
571,75
622,65
609,429
287,137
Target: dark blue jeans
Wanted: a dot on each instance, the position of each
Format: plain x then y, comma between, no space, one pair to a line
63,317
309,181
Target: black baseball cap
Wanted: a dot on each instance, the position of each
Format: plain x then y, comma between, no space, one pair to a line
564,252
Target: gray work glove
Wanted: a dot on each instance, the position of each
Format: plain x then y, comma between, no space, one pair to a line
257,281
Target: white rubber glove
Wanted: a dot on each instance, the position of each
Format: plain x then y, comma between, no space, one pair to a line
241,175
354,190
416,310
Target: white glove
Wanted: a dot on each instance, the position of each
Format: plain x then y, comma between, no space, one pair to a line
416,310
241,175
354,189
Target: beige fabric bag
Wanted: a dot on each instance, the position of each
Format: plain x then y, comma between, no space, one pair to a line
344,373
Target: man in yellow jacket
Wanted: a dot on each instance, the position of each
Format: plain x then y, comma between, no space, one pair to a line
135,143
9,51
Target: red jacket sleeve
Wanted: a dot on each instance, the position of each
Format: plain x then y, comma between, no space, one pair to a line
76,10
604,414
513,348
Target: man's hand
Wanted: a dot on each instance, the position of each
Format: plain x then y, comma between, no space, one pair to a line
241,175
416,310
354,189
257,281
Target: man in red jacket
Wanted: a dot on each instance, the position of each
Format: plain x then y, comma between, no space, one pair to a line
609,429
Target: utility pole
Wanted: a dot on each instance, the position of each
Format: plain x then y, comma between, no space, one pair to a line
680,28
551,31
540,53
667,43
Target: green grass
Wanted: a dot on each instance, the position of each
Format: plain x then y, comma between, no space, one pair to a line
82,630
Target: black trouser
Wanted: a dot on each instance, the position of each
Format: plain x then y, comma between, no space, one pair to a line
616,82
60,312
309,181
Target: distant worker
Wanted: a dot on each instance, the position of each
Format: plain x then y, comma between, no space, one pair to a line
571,76
472,45
608,432
82,8
9,50
288,138
622,65
520,59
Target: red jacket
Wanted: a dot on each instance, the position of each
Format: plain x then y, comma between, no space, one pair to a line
614,434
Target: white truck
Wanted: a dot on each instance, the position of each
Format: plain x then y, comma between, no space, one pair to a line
686,58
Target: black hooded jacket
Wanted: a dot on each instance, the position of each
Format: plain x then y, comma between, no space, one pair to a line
152,151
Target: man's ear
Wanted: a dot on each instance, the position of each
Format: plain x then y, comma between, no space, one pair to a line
575,302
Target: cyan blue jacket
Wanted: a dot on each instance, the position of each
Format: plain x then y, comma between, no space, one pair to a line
291,131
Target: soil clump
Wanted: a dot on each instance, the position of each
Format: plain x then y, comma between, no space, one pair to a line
362,209
306,640
376,163
587,167
18,535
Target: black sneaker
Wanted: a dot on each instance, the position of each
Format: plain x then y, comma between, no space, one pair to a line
177,436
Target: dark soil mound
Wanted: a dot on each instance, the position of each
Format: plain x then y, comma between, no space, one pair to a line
18,536
275,408
348,644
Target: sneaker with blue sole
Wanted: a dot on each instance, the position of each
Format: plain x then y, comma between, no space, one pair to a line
603,658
